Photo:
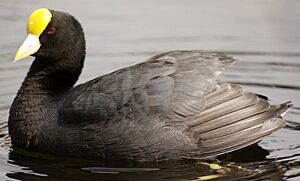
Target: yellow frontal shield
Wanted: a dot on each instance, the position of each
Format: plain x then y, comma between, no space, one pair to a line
37,23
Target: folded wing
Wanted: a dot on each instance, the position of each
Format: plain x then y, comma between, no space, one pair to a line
180,87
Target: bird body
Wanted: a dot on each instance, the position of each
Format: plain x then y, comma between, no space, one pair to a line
168,107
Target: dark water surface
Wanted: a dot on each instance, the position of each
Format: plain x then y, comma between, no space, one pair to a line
263,34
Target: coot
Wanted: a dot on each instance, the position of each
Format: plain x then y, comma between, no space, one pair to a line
168,107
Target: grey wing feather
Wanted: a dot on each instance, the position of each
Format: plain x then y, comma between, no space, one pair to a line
180,88
172,83
233,121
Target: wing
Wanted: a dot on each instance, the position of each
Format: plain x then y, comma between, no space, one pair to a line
172,83
180,87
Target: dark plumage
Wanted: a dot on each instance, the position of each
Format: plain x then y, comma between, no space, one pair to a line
167,107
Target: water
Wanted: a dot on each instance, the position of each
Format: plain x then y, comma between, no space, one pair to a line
262,34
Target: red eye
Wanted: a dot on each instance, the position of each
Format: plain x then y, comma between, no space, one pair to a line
51,31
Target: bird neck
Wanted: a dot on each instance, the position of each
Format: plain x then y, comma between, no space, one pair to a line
34,111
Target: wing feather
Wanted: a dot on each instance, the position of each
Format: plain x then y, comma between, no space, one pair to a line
177,92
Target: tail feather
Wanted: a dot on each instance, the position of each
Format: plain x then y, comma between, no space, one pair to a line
284,107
